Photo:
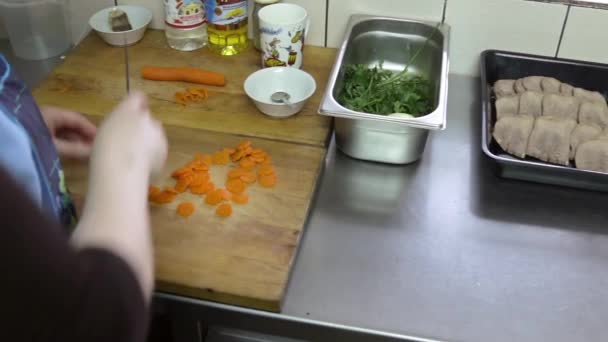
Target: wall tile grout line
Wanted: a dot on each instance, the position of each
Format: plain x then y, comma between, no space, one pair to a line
326,20
561,34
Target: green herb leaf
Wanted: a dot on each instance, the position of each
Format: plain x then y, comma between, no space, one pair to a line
378,91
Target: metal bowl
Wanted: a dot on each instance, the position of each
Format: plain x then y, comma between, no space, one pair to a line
372,40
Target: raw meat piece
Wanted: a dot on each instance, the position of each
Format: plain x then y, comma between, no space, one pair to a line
592,96
519,86
593,155
566,89
581,134
507,105
504,88
532,83
550,85
550,140
512,133
593,113
559,106
531,103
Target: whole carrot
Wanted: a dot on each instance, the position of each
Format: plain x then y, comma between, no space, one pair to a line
183,74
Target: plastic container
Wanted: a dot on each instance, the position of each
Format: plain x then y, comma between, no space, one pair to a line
186,24
37,29
227,28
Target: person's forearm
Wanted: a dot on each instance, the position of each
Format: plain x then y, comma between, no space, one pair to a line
116,217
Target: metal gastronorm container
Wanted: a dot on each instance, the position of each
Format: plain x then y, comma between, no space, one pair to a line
372,40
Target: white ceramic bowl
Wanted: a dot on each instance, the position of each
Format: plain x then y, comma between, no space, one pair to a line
260,85
139,17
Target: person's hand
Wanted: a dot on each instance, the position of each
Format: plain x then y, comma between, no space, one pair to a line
72,133
129,147
130,137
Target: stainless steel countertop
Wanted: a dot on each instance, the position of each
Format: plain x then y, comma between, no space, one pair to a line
441,248
444,248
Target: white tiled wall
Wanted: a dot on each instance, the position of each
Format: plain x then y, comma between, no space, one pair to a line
80,12
476,25
585,35
341,10
316,12
513,25
157,8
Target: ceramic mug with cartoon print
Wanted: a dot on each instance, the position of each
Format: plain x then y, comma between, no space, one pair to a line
283,28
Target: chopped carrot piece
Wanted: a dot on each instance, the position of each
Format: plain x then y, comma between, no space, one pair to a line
235,186
214,197
258,152
238,155
205,158
221,158
248,178
237,173
267,161
200,178
243,145
153,190
185,209
198,190
163,197
267,181
170,190
228,150
180,172
224,210
184,182
226,195
247,163
240,198
266,170
201,167
202,189
256,160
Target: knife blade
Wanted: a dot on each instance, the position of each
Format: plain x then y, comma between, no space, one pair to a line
126,56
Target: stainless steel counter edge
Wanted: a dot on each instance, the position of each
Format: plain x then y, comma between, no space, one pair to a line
216,314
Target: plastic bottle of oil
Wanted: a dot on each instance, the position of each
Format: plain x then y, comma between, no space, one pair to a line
186,24
227,28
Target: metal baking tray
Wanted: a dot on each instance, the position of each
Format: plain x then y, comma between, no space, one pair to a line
497,65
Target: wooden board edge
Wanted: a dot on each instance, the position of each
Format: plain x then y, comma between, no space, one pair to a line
218,297
314,193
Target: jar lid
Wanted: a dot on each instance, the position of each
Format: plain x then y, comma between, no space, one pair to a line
266,2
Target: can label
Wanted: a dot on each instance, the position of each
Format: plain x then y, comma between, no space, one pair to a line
226,12
185,13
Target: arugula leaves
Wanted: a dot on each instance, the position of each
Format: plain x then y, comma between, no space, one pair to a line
378,91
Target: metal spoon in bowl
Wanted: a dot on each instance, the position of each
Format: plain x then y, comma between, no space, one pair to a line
281,97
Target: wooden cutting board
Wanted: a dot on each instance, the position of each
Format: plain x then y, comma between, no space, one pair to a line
244,259
92,81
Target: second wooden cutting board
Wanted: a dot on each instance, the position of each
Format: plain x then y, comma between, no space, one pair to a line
244,259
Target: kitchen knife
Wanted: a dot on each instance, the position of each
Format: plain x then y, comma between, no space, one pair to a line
121,23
